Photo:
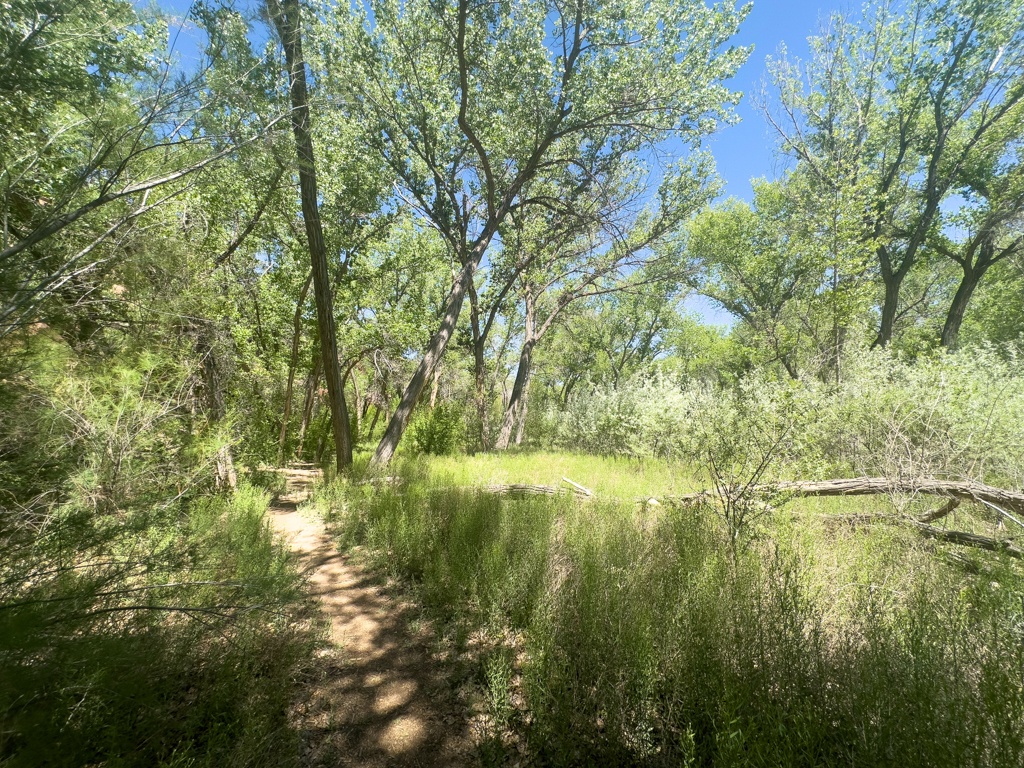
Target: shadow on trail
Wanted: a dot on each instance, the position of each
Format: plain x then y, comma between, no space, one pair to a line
382,700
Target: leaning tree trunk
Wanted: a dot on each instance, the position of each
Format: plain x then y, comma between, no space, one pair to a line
955,316
285,14
292,363
973,272
435,350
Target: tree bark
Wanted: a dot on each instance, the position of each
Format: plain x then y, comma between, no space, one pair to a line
435,350
293,362
285,14
373,424
434,388
867,486
890,306
479,369
521,428
312,382
355,399
515,399
955,317
522,372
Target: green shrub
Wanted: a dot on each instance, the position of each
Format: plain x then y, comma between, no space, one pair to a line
441,431
144,619
955,415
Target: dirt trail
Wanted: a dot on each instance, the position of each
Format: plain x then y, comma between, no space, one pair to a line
382,701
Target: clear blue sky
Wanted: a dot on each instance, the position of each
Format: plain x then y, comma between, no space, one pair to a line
745,151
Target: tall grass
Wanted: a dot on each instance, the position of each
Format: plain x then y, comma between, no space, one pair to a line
637,636
173,638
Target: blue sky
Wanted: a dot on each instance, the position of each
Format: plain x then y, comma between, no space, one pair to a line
744,151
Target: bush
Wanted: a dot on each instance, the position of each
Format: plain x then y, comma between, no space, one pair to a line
955,415
144,620
441,431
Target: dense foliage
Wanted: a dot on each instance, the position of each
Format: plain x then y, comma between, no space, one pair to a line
246,238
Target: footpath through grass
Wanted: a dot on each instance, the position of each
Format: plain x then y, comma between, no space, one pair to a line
625,634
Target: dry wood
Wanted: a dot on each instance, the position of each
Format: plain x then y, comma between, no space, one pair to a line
937,514
578,487
868,486
967,539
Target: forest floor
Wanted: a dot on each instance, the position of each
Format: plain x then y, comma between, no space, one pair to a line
378,697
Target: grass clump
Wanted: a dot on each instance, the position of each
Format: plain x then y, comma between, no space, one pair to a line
626,634
173,640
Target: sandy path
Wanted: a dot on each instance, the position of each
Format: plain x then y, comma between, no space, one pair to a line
383,701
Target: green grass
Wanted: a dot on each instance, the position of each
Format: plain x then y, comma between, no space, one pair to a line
102,663
620,477
638,636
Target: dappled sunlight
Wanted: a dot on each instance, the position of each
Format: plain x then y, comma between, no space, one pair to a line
380,702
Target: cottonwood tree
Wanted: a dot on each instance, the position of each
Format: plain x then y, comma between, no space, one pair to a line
471,102
286,16
896,107
621,251
749,259
990,226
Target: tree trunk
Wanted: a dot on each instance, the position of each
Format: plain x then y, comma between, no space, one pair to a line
522,374
522,410
435,350
890,306
312,382
355,399
285,14
296,332
225,466
373,424
973,272
955,316
433,389
479,370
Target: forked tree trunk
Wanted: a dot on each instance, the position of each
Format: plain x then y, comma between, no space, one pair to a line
286,16
292,363
515,399
973,271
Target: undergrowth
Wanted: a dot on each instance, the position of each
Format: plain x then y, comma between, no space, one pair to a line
628,634
173,639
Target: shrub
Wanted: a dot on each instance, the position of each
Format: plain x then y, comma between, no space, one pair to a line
143,619
442,431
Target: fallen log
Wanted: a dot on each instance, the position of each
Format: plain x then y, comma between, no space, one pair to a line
523,490
872,486
967,539
928,531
